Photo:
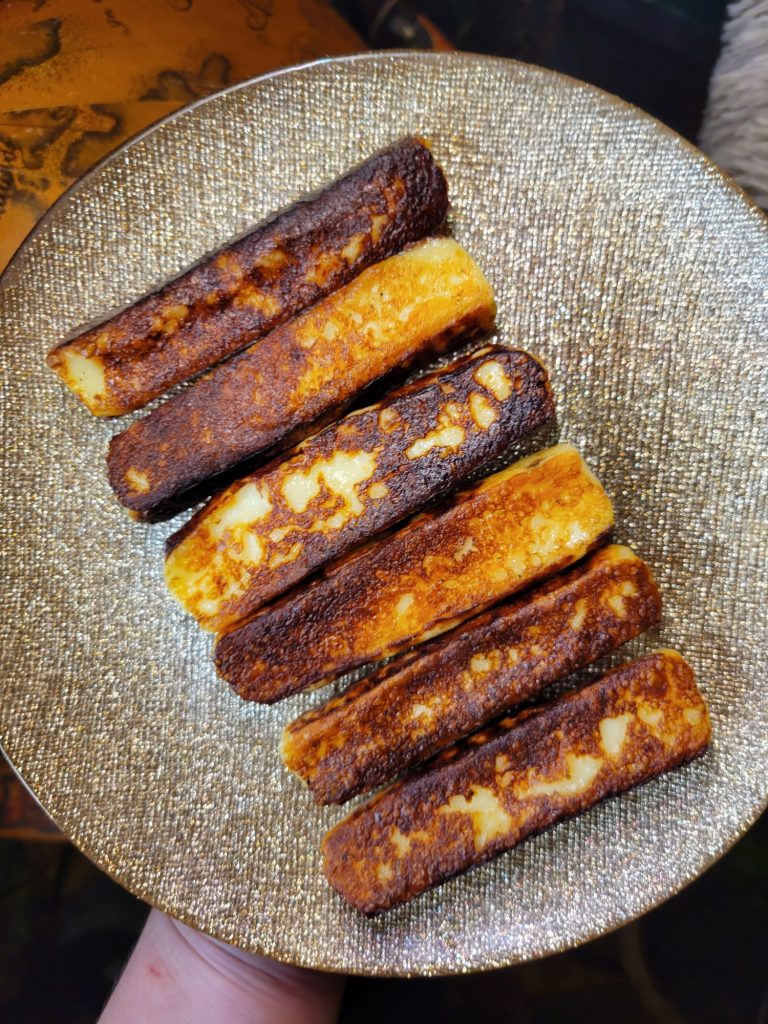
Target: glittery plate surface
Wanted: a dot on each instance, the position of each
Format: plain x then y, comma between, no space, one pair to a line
620,256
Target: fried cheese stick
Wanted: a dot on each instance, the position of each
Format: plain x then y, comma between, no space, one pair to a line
238,294
526,522
499,787
406,307
424,700
353,480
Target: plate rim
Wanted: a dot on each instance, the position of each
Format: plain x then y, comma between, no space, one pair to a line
409,56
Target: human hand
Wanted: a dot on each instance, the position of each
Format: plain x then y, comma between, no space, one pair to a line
176,975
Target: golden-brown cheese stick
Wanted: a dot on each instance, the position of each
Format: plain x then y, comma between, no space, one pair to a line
406,307
426,699
517,526
248,287
499,787
351,481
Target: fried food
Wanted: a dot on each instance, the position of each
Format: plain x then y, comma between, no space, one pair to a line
351,481
491,792
422,701
250,286
517,526
406,307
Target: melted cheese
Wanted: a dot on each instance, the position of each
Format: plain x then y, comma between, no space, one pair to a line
85,375
248,505
576,621
420,711
340,474
211,599
581,772
378,220
613,732
229,264
136,480
492,377
168,321
547,537
577,535
489,819
480,664
615,599
352,250
227,572
253,298
251,549
387,419
400,842
286,557
483,413
334,522
466,547
272,260
324,265
447,436
649,715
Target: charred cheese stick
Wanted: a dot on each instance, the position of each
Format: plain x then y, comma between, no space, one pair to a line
517,526
351,481
410,305
424,700
241,292
499,787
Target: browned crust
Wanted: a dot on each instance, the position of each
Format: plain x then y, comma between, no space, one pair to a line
433,573
248,287
491,792
298,374
468,426
406,711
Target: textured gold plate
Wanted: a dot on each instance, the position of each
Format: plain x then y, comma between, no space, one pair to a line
622,257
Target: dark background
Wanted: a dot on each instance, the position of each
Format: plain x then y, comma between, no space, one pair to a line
657,54
703,956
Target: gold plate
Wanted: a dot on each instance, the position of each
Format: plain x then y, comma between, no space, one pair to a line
622,257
